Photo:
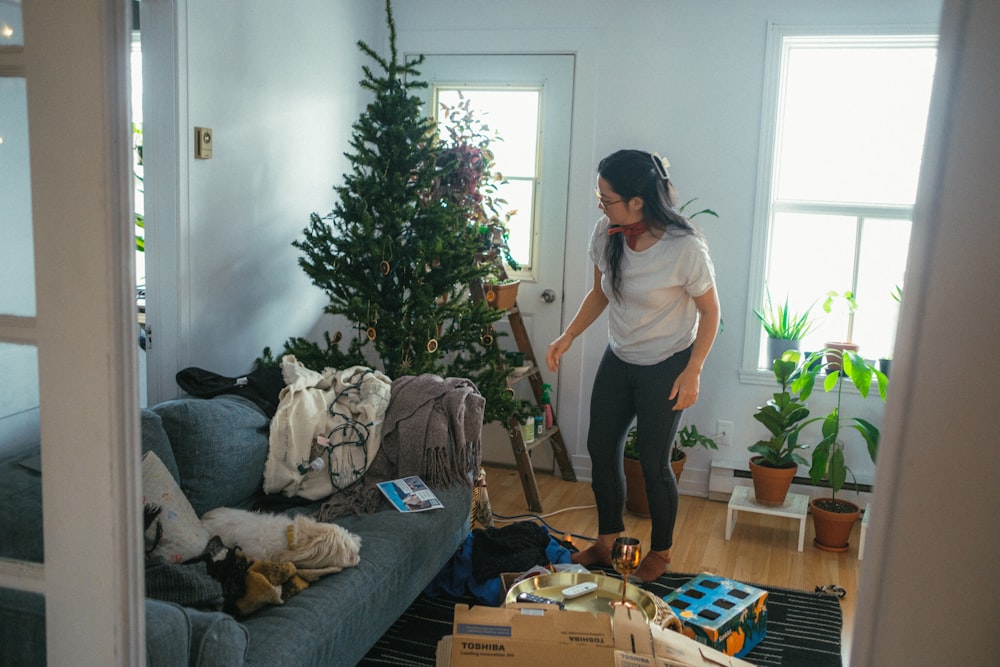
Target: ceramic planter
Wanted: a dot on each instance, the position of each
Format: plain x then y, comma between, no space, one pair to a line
678,466
770,485
635,489
833,360
778,346
502,296
833,528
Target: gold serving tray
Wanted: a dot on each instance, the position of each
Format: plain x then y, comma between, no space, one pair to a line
608,590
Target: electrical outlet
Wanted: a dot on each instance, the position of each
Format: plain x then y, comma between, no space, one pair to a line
724,429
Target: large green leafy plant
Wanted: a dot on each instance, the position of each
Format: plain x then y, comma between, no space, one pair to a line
784,416
828,460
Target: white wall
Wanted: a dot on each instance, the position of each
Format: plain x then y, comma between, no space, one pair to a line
278,87
684,79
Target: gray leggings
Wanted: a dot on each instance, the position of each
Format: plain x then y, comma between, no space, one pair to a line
623,391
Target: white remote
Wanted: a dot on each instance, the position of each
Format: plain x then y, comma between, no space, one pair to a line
578,590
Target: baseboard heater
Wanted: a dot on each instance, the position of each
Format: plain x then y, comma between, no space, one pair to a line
726,475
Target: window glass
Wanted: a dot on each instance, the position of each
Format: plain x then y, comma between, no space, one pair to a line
17,252
11,32
849,124
20,465
514,115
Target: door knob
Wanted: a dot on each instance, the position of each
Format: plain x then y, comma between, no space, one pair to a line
549,295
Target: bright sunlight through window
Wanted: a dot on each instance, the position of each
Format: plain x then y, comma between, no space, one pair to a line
514,114
851,114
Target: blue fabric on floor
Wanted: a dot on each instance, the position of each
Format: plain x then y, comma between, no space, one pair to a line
455,578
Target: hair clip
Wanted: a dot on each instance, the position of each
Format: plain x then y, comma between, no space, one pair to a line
661,164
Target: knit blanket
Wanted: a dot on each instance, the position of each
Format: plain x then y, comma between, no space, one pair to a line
326,431
432,429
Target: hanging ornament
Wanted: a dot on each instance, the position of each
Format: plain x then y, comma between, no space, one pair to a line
337,337
432,345
510,392
385,267
371,333
487,338
491,296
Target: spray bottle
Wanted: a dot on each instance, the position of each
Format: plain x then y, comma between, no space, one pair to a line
547,406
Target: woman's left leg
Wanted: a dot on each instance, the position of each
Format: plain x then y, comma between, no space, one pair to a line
657,424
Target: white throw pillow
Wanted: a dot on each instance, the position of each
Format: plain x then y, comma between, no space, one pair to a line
183,535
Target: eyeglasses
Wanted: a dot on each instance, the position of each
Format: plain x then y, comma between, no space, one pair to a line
604,203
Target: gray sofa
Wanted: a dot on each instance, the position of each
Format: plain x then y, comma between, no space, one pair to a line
216,449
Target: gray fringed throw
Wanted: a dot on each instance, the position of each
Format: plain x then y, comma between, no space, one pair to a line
432,429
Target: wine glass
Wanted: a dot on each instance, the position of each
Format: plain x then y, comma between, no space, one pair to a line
625,556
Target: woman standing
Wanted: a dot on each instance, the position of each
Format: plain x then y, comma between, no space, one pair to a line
653,274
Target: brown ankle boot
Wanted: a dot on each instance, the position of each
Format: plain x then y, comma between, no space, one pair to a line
653,566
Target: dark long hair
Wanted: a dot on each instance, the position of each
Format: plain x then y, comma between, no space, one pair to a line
634,173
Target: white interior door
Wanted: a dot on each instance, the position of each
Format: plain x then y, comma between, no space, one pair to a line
541,291
67,319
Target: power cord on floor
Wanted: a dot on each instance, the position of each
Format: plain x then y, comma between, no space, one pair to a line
567,537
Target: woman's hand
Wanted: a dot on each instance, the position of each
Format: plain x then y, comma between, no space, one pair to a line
686,388
557,349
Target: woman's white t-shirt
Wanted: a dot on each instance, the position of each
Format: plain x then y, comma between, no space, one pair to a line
656,316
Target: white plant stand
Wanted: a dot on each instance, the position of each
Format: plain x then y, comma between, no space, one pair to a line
864,530
796,507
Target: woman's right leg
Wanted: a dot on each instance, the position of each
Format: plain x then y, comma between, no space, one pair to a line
611,412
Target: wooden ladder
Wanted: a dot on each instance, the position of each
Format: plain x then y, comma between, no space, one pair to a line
553,436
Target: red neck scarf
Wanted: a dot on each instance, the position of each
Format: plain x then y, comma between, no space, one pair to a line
631,232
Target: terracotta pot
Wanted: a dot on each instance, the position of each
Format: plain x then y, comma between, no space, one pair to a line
833,360
833,528
678,466
770,485
502,297
635,489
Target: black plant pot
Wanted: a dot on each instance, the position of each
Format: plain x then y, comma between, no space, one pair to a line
884,365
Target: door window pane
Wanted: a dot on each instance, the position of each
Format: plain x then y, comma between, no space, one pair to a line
514,115
17,252
20,465
11,25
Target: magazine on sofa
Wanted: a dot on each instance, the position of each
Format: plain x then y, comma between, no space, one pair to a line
410,494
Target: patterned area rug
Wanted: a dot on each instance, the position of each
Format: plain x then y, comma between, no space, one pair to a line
803,628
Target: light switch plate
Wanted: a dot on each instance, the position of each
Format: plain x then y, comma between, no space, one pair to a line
202,143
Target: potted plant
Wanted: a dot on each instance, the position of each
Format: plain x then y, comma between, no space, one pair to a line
635,484
835,347
687,438
784,328
834,517
776,459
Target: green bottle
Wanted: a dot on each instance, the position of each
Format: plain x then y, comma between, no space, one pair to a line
547,406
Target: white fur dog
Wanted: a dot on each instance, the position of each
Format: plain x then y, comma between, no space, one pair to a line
309,544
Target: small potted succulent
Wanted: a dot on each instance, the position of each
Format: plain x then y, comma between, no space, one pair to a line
784,327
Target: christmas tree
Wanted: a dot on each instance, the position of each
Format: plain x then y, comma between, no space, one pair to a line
397,253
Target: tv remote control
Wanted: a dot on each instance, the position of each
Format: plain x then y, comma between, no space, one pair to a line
531,597
579,589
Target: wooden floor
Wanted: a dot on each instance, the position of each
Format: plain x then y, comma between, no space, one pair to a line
763,549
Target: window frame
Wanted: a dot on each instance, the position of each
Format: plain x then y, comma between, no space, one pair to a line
765,205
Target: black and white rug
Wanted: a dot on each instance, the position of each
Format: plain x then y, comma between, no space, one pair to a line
803,628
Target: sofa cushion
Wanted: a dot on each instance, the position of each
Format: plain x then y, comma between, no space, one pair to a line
154,439
182,536
214,440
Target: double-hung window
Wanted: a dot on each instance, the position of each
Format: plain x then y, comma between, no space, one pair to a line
842,139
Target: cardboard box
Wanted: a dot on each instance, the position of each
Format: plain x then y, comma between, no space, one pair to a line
523,634
721,613
526,634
